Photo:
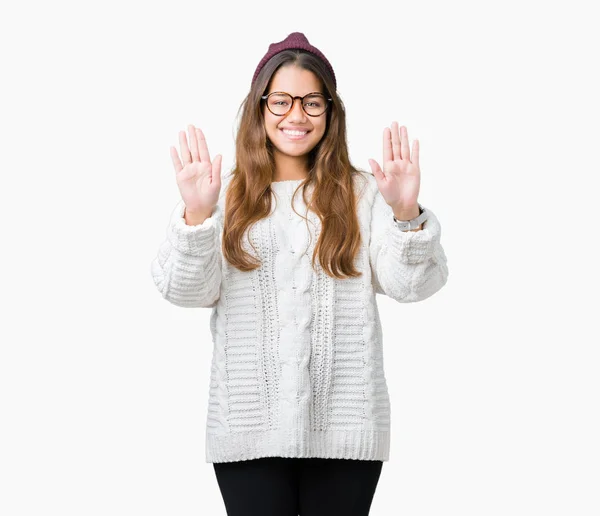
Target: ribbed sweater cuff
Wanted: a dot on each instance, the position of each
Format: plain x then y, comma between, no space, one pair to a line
414,246
196,240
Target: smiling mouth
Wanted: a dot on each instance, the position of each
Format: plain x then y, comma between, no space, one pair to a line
294,135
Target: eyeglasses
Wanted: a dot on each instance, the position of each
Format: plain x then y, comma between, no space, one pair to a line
280,103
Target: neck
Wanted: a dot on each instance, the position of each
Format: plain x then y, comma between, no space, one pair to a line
290,167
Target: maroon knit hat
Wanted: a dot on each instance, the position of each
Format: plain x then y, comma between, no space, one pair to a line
294,40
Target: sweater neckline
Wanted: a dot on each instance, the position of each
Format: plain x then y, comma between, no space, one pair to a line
288,185
294,181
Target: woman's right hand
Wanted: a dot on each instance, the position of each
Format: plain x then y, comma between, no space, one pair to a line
198,179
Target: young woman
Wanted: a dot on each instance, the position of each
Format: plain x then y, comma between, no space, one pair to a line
299,414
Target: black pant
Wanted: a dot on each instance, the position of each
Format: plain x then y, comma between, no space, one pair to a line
283,486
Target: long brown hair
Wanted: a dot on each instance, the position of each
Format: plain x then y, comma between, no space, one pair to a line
332,176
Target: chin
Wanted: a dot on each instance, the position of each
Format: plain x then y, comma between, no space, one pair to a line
296,150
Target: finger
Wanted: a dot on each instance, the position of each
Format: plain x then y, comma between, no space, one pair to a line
202,147
415,153
175,159
376,169
396,141
388,154
185,151
216,170
404,143
193,142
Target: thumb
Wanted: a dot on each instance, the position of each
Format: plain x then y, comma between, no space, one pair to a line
376,169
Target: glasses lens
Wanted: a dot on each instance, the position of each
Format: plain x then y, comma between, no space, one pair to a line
314,104
281,103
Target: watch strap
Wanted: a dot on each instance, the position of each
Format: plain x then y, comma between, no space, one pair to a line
407,225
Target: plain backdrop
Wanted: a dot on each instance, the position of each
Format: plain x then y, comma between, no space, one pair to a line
493,380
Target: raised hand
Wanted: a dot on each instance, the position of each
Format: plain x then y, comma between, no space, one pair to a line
198,179
400,180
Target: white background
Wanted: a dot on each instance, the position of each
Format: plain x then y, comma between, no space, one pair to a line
494,380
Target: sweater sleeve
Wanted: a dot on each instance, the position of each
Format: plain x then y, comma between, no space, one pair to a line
407,266
187,268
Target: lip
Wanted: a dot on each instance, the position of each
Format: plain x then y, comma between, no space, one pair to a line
290,137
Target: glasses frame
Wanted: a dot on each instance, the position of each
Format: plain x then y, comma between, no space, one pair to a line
327,101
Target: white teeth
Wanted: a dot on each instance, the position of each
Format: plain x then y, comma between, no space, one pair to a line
294,133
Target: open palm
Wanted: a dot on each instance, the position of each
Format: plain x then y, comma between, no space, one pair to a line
198,180
400,181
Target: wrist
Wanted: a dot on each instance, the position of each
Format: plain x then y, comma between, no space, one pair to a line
406,213
194,218
406,218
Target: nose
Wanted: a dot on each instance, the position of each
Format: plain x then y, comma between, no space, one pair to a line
296,113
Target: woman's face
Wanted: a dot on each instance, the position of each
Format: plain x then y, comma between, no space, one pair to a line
295,81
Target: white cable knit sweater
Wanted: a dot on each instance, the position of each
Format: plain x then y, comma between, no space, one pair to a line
297,367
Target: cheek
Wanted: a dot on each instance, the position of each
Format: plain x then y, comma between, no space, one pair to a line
268,119
321,130
272,125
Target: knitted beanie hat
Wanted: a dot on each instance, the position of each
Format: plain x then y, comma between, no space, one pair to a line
294,40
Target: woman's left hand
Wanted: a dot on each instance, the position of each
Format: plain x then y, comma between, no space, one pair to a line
400,180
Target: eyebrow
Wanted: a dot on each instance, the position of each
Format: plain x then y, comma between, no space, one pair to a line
282,91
